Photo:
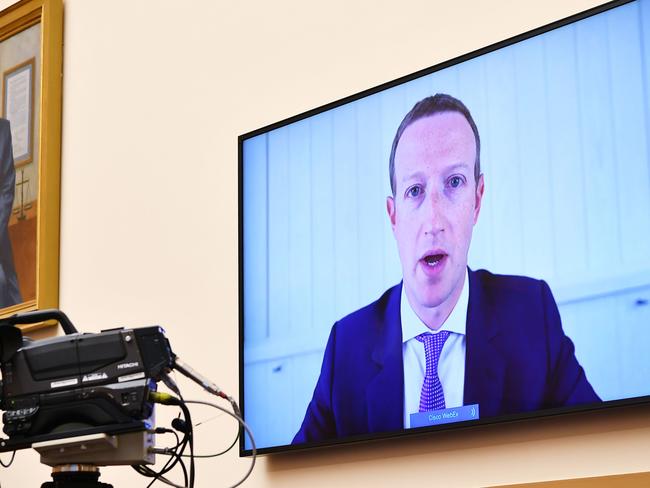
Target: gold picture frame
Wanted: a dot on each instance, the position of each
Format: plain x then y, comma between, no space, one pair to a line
31,31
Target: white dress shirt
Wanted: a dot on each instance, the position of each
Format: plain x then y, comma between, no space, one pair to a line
451,365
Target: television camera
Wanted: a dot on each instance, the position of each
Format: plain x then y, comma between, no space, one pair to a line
84,400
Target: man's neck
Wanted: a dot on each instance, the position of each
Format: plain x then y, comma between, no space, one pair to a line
434,317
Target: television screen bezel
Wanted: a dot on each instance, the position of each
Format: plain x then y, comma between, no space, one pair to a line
538,414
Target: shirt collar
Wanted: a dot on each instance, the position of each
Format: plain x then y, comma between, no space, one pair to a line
412,326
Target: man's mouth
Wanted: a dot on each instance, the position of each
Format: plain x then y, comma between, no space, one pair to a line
433,260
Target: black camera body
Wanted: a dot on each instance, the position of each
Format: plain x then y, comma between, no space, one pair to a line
79,383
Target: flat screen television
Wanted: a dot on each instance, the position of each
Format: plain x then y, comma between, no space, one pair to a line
465,245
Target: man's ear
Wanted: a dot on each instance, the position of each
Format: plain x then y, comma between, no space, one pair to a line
478,197
390,208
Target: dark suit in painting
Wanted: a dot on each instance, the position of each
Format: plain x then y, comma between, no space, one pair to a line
9,292
518,359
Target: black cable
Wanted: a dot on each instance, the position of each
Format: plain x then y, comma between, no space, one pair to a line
13,455
184,469
150,473
203,456
239,419
188,438
177,453
147,471
173,461
188,419
168,467
234,442
163,430
168,482
170,464
158,476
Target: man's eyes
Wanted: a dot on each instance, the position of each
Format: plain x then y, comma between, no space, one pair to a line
455,181
414,191
417,190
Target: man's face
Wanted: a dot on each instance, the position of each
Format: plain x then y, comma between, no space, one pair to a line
435,207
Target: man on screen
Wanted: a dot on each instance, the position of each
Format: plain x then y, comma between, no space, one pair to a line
446,336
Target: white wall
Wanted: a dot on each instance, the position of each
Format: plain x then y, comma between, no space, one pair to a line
155,93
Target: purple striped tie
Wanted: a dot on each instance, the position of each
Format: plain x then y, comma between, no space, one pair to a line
432,396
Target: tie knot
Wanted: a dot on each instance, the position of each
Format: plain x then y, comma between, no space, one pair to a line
433,344
434,341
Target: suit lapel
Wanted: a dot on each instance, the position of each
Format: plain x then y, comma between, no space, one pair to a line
484,364
385,392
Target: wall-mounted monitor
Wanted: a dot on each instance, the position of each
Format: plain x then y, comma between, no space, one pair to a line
469,244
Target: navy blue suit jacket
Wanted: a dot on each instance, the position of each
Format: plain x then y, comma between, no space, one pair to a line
517,360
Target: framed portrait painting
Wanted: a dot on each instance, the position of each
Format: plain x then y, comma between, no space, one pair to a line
31,46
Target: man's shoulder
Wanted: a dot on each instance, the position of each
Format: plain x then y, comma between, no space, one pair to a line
489,279
371,329
375,311
507,288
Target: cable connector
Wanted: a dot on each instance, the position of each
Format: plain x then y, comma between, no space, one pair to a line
171,384
163,398
158,450
198,378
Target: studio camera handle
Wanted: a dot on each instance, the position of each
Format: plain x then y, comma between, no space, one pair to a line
37,316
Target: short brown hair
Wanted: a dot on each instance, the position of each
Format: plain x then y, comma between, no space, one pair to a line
427,107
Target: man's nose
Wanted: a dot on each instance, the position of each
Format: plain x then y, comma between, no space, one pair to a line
434,218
